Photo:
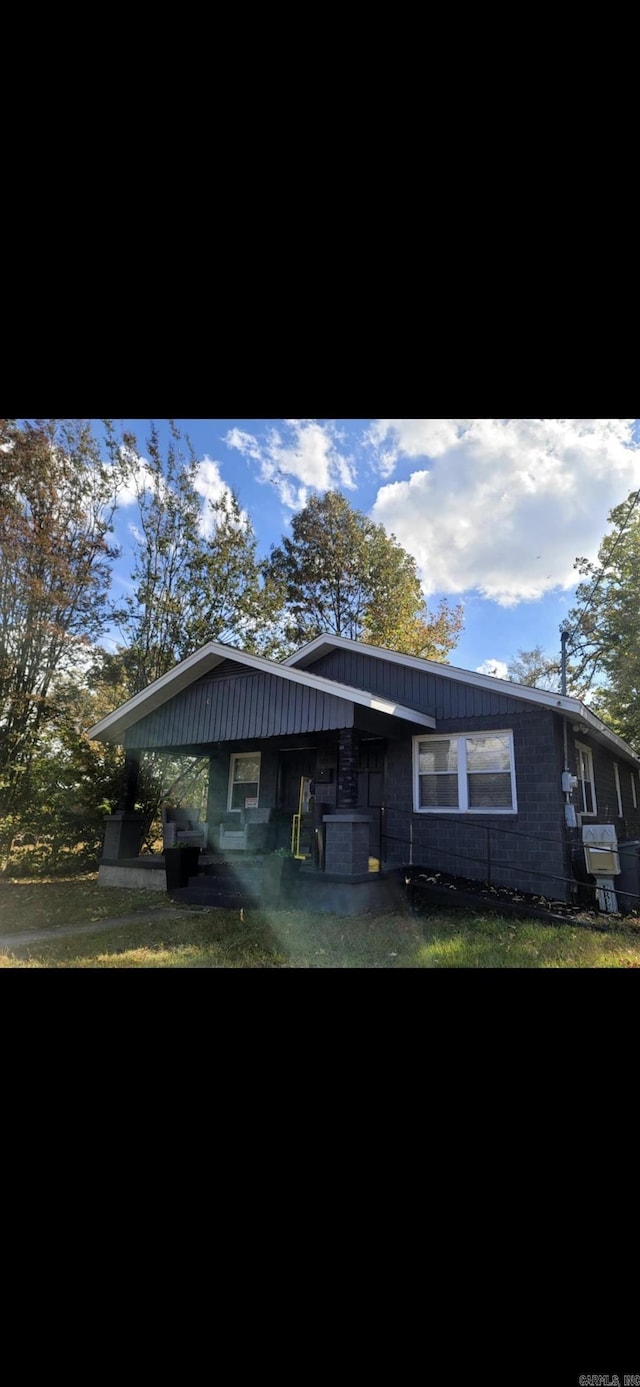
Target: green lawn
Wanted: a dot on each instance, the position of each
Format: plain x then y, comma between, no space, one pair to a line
288,938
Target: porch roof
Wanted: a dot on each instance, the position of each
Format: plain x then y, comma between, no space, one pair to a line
204,661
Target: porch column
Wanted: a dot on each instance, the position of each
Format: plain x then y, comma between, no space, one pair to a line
348,747
123,829
130,781
217,793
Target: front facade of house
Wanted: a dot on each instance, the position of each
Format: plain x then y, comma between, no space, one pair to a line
409,761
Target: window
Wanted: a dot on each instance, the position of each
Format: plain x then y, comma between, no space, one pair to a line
634,792
616,776
244,780
586,783
468,774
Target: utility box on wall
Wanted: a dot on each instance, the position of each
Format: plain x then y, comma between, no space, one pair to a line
602,861
601,849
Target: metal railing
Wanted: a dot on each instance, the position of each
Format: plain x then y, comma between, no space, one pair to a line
488,859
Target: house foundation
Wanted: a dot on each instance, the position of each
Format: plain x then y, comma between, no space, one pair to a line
147,873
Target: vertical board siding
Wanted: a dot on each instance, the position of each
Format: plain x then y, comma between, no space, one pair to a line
240,708
442,698
239,705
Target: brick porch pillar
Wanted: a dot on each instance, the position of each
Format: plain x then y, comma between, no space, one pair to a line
348,749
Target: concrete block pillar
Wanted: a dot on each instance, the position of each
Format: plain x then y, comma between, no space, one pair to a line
346,843
123,835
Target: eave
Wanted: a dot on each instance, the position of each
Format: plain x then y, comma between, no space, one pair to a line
112,727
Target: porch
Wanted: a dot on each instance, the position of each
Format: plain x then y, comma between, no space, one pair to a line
296,763
254,881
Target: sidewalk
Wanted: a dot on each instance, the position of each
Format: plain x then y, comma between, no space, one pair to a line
10,942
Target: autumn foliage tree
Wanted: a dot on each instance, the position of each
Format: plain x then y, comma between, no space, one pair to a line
536,669
340,573
57,500
605,623
196,576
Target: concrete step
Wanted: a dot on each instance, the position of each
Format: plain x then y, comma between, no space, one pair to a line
232,870
210,896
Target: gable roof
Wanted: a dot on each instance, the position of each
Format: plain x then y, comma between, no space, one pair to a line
559,703
112,727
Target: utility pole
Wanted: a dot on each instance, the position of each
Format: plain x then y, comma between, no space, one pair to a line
564,636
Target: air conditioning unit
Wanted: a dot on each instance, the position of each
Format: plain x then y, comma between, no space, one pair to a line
602,861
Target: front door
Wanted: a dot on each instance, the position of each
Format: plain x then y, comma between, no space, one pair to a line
371,787
293,765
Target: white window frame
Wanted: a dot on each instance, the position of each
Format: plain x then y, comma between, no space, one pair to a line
459,739
241,756
634,792
585,751
616,776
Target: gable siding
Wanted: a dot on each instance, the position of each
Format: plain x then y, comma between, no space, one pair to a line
442,698
241,707
227,669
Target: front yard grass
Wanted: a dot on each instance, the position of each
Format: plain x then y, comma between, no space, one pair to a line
49,902
442,938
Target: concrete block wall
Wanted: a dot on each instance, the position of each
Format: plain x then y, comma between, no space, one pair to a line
327,760
533,858
627,825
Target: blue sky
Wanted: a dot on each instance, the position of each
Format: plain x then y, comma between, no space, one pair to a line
493,510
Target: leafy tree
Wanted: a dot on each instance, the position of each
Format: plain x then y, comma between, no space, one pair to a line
342,574
536,669
605,639
196,575
57,502
73,782
238,601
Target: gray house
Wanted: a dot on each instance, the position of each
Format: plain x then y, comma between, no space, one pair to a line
388,760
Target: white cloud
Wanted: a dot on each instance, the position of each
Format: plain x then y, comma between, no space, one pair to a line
504,506
244,442
210,485
308,454
495,667
208,482
295,497
139,477
392,438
